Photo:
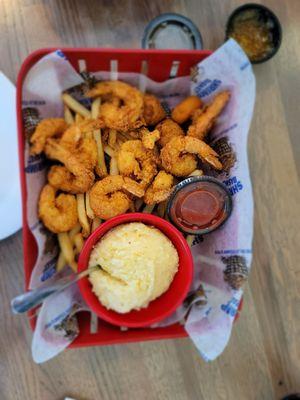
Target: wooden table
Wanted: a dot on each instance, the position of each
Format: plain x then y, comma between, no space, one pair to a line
262,359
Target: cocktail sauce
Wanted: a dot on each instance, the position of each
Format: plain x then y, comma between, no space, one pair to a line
199,205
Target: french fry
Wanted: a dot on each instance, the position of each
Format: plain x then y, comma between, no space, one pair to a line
61,261
95,109
138,203
148,208
112,138
101,167
161,209
96,222
68,115
66,247
197,172
82,215
113,167
190,239
78,118
75,106
109,151
76,229
89,211
79,242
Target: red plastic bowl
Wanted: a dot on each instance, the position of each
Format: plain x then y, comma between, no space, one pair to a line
164,305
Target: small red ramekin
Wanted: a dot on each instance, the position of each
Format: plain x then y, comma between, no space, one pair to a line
164,305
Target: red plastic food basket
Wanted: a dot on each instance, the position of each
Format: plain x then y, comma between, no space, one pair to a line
159,66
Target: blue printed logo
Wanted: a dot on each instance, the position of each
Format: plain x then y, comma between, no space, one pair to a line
61,54
245,65
49,269
59,317
207,312
207,87
35,164
33,103
234,185
231,307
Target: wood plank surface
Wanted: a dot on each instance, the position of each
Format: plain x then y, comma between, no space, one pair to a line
262,360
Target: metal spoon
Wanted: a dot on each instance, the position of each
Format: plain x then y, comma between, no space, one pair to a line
26,301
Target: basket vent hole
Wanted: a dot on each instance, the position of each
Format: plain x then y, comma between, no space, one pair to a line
94,323
82,65
113,70
174,69
143,76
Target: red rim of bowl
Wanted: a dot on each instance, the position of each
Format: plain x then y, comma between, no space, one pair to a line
168,301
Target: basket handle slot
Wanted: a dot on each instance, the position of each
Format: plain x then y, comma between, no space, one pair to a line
143,76
174,69
113,70
82,65
93,323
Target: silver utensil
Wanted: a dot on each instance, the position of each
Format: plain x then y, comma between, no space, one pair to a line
26,301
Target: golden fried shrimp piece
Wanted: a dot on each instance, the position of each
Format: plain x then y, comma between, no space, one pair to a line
178,156
124,117
184,110
196,114
59,214
46,128
168,129
107,198
76,131
150,138
110,98
160,189
201,125
137,162
133,187
73,177
61,178
80,145
87,152
153,110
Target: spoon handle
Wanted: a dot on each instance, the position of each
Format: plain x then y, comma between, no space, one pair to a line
26,301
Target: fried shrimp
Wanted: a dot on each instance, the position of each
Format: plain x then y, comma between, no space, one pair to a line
201,125
160,189
178,156
168,129
133,187
82,146
76,131
150,138
73,177
153,110
184,110
121,117
47,128
59,214
136,162
107,198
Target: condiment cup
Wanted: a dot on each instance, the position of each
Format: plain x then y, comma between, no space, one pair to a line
266,15
164,305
